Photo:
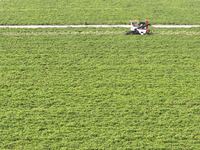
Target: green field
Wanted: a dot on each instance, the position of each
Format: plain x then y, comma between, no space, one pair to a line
98,11
99,89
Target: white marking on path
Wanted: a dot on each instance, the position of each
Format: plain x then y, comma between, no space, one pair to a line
63,26
176,26
91,26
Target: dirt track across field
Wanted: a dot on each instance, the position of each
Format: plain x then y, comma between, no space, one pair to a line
92,26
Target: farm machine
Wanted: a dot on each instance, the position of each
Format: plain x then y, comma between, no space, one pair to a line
140,28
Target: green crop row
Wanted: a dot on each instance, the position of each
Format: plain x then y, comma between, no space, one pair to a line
99,89
98,11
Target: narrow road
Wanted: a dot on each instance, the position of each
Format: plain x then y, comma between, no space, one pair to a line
91,26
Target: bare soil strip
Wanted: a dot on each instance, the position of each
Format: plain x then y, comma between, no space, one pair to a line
91,26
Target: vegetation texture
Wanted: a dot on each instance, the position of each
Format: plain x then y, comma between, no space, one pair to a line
99,89
98,11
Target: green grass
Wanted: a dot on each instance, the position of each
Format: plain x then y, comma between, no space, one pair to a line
98,11
99,89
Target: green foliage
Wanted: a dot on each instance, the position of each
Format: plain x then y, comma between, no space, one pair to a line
98,11
99,89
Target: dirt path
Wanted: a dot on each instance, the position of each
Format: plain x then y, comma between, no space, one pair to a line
92,26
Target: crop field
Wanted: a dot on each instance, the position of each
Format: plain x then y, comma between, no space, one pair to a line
98,11
95,88
99,89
